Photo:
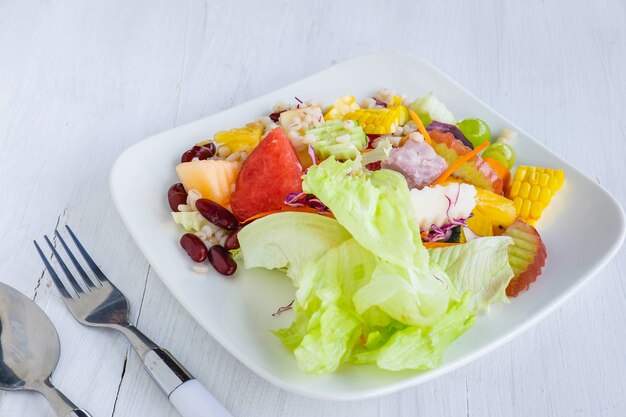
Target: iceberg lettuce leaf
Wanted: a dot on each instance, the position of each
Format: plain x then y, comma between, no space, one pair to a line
480,266
417,347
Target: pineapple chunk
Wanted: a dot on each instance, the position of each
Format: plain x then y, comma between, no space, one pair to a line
210,177
241,139
499,210
480,224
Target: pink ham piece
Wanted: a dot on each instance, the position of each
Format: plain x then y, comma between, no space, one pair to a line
418,162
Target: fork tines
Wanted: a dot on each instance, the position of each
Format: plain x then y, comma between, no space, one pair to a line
88,281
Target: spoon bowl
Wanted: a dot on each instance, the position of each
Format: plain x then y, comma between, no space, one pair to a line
29,343
29,350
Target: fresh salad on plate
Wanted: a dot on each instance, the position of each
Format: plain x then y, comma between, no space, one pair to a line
397,223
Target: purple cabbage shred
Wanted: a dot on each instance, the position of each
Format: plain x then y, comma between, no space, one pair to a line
448,128
304,200
281,310
443,233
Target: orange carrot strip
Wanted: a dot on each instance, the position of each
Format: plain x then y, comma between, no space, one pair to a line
430,245
420,127
463,159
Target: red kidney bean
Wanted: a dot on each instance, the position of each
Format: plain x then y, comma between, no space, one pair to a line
211,148
176,195
195,247
188,156
275,116
201,152
216,214
221,260
231,241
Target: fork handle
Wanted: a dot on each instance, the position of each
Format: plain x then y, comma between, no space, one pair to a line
187,394
192,399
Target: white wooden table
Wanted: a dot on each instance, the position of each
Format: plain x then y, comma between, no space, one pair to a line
82,80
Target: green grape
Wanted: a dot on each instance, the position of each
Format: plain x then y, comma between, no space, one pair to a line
501,152
475,130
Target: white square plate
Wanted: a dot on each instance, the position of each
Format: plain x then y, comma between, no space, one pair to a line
237,311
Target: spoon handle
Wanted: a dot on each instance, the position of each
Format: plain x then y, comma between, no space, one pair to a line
62,405
78,413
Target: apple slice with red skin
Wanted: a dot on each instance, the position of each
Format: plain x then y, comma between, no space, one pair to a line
475,171
527,256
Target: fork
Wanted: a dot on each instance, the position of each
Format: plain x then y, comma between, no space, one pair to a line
98,303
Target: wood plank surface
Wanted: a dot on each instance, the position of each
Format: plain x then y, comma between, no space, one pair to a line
82,80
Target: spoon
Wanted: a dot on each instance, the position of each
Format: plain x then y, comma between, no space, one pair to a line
29,351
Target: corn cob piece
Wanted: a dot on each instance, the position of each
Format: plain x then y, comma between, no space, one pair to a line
532,189
241,139
341,107
379,121
397,102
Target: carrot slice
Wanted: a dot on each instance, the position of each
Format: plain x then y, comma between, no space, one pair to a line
287,208
420,127
463,159
430,245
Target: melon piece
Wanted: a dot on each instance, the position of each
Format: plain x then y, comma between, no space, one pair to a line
527,256
268,175
475,171
212,178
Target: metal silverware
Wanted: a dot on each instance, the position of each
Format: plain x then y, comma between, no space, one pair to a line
29,351
98,303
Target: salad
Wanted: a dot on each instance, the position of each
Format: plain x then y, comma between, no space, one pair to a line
397,223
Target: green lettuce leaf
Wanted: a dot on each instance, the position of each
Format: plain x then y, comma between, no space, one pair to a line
480,266
380,153
416,347
376,209
326,325
366,288
289,240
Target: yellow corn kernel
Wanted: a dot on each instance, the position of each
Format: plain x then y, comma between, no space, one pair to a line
525,209
545,196
524,190
397,101
341,107
379,121
532,190
515,188
536,208
535,190
553,183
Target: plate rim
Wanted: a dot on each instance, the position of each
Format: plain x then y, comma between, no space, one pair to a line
418,378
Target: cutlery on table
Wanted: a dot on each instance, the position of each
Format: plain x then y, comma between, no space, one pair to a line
29,351
98,303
